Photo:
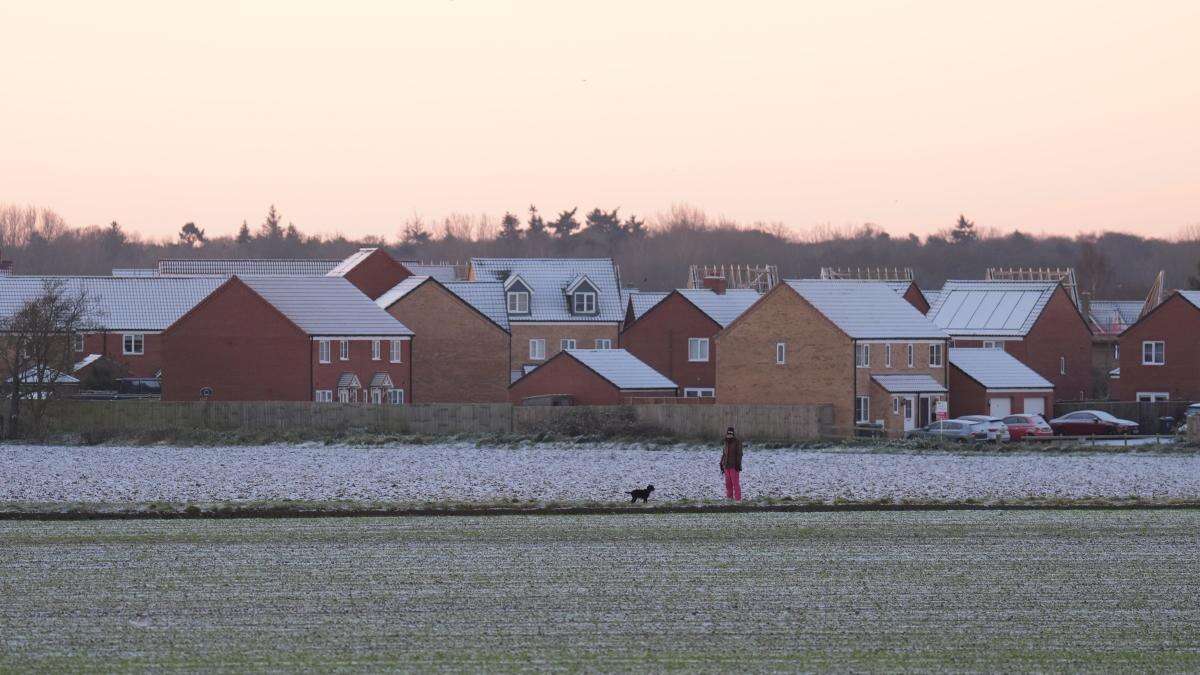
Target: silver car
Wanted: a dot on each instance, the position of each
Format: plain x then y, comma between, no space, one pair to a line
953,430
997,429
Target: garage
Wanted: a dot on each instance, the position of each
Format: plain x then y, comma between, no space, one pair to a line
993,382
1035,406
999,406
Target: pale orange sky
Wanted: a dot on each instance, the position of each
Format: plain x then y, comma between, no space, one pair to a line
352,116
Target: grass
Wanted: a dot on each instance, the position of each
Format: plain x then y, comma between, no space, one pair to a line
994,591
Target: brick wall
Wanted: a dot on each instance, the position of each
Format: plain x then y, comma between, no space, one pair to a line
660,339
968,397
111,346
377,273
1059,332
565,375
360,362
585,336
916,298
460,356
1177,323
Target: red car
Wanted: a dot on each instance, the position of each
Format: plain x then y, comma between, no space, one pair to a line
1091,423
1020,426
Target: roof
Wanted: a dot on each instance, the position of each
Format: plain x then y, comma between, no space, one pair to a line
241,266
117,303
721,307
343,268
866,310
441,272
1192,297
1114,316
487,297
643,301
931,295
996,369
991,308
325,305
348,380
49,376
134,272
380,380
622,369
86,361
548,278
909,384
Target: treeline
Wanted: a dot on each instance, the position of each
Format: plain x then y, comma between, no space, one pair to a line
654,253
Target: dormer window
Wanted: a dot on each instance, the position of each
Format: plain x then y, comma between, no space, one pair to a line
585,302
581,295
516,294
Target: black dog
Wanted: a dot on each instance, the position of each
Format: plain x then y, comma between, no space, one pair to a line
643,495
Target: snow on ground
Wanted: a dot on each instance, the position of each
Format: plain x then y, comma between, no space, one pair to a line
571,473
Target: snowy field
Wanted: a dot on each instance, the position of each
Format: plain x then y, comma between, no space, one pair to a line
565,474
980,591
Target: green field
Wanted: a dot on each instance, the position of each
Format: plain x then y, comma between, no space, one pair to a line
989,590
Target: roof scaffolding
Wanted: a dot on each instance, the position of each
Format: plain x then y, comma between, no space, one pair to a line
1063,275
761,278
868,273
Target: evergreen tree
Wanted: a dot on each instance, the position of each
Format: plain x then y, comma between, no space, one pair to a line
292,234
510,228
113,240
537,226
243,235
414,233
191,236
634,228
565,225
271,229
964,231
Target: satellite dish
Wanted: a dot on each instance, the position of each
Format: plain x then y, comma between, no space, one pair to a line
206,392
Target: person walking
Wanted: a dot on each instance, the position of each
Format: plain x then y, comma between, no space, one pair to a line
731,466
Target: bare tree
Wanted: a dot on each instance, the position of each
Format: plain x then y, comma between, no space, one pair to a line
36,347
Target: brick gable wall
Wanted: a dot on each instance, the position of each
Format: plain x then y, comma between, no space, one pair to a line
660,339
1176,322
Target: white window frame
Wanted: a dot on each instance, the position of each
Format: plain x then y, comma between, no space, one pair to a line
376,396
396,351
343,395
323,351
911,353
133,344
780,353
1152,396
895,405
603,343
537,349
1062,365
887,356
588,299
862,355
992,344
937,349
375,351
323,396
699,392
566,343
77,341
864,414
698,350
395,397
343,350
1116,351
518,302
1158,352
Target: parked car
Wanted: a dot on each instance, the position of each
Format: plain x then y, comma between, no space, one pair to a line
1091,423
997,429
953,430
1020,426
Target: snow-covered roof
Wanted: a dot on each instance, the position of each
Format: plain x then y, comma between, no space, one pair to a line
909,384
1112,317
996,369
721,307
992,307
134,272
381,380
242,266
866,310
487,297
622,369
348,381
116,303
86,361
400,290
49,376
931,295
343,268
548,279
642,301
441,272
1192,297
326,306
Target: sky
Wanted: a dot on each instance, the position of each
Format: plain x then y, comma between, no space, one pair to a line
351,117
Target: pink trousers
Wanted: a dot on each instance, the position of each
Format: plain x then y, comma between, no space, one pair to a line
733,484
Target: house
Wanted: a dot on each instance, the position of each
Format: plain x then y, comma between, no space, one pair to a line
591,377
993,382
638,303
1109,318
126,315
1035,321
1160,353
855,345
675,335
555,304
302,338
461,345
372,271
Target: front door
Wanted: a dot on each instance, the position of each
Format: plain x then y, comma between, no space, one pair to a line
909,404
924,411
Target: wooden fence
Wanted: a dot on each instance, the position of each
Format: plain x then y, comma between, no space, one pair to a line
709,421
1145,414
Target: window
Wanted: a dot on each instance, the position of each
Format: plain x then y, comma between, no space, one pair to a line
374,350
697,349
353,395
935,356
537,349
344,350
376,396
1152,396
343,395
323,351
133,343
395,354
566,343
324,396
699,392
862,409
895,405
780,353
77,341
862,355
1154,353
1062,365
396,396
887,356
518,302
1116,351
991,344
603,343
585,302
910,354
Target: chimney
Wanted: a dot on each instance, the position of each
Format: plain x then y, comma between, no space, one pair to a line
715,284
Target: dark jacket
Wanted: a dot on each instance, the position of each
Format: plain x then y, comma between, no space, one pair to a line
731,456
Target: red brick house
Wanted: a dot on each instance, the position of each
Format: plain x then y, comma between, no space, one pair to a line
993,382
1035,321
675,335
310,338
856,345
461,341
372,270
1160,353
591,377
